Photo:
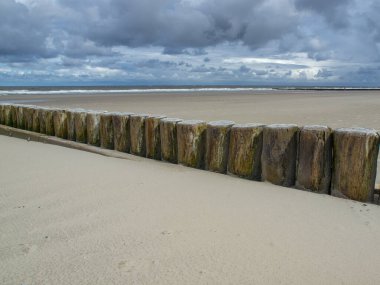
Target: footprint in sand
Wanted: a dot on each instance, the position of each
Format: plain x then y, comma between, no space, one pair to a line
26,249
130,266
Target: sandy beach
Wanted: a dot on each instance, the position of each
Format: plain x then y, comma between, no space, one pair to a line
72,217
333,108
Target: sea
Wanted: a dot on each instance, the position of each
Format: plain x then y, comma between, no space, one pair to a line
45,90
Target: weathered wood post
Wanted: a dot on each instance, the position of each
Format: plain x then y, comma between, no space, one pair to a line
217,145
152,136
70,115
355,162
49,122
60,123
137,131
14,115
80,122
1,114
7,115
93,127
36,119
121,129
279,155
20,117
246,144
191,138
42,118
314,159
28,117
106,131
168,133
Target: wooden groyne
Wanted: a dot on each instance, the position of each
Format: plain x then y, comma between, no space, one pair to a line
315,158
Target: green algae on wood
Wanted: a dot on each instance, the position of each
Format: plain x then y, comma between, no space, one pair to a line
7,115
93,127
168,133
60,123
20,119
36,119
152,136
49,122
217,145
106,131
80,122
137,133
1,114
355,162
244,158
191,139
70,115
121,129
14,116
314,159
42,118
279,155
28,118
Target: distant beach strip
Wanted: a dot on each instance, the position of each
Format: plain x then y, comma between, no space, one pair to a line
340,162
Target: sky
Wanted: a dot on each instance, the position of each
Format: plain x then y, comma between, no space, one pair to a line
176,42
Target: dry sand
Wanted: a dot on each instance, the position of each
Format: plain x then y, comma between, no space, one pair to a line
71,217
333,108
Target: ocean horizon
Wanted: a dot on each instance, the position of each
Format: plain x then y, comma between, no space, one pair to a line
43,90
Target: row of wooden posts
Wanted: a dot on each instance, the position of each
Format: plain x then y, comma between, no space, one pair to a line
340,162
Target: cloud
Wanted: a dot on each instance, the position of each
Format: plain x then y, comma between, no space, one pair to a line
334,11
268,40
21,31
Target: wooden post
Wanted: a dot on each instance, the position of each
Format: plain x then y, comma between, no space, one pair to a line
7,115
70,114
106,131
20,117
28,117
355,162
279,154
121,127
246,144
2,114
314,159
217,145
80,119
191,138
168,132
49,122
152,136
42,118
93,130
36,120
14,116
60,123
137,131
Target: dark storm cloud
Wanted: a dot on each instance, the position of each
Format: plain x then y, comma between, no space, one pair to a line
179,27
334,11
72,33
78,28
21,31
